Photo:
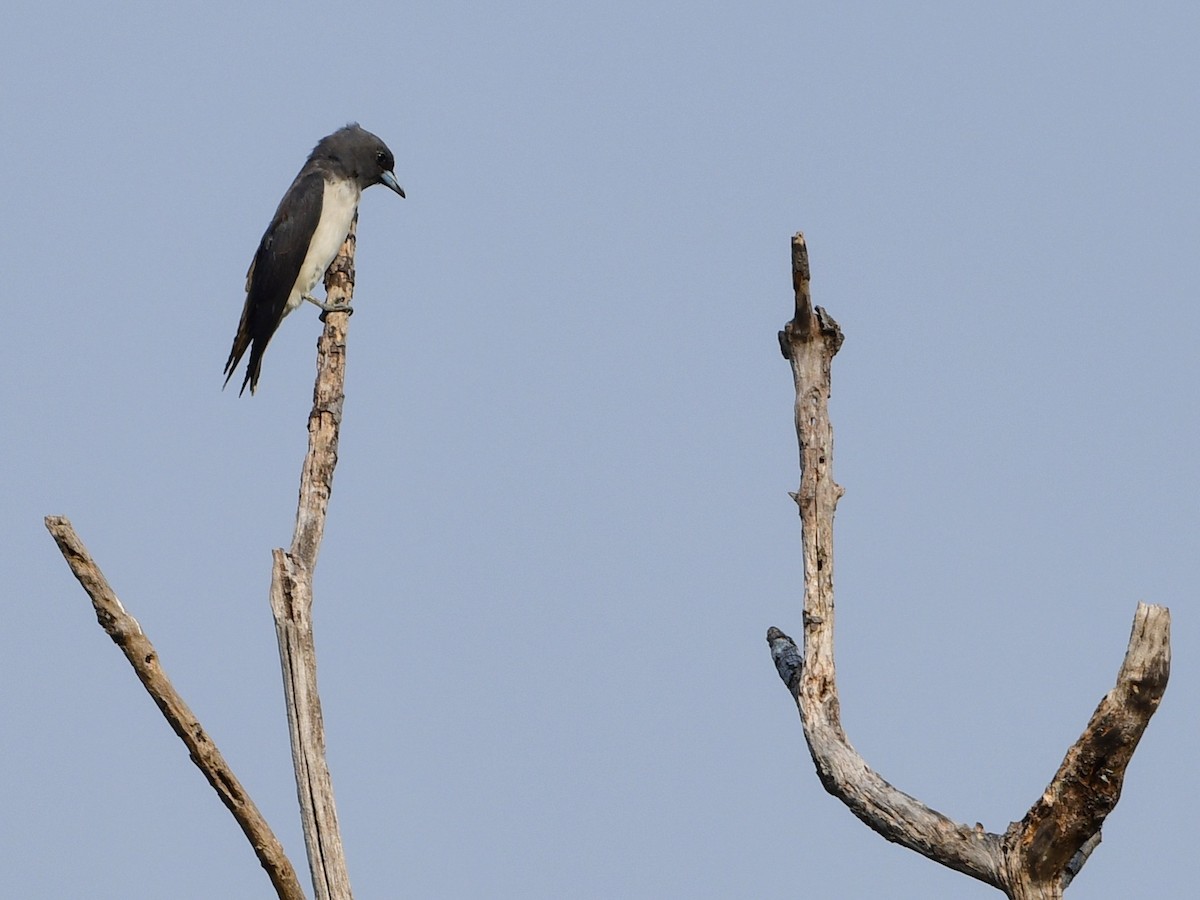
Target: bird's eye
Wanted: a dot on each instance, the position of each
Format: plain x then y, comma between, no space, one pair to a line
380,157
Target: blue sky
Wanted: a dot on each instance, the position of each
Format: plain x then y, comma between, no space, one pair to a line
560,525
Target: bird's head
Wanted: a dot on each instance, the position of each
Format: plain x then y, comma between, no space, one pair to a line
363,155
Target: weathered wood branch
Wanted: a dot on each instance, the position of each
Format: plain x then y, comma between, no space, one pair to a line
128,635
1047,848
1035,858
292,595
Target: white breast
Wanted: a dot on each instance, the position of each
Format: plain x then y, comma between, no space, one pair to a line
337,212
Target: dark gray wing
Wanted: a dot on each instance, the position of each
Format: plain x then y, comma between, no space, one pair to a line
274,270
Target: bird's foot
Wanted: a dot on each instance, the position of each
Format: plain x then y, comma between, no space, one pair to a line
326,307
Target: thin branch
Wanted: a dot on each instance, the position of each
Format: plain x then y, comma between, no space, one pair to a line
1038,856
128,635
292,596
810,341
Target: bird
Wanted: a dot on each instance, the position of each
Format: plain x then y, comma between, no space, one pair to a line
308,229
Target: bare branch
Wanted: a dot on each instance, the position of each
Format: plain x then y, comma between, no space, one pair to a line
1038,856
810,341
292,597
1060,831
128,635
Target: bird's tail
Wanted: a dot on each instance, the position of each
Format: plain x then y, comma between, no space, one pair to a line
241,342
253,367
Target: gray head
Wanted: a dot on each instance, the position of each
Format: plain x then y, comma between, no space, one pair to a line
355,152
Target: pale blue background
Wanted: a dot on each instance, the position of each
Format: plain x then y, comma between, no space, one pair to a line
560,525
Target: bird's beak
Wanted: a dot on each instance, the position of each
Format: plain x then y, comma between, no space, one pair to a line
390,180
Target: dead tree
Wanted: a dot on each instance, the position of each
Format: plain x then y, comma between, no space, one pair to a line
291,604
1035,858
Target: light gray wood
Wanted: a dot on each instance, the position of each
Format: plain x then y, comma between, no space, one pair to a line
291,604
1036,858
292,595
128,635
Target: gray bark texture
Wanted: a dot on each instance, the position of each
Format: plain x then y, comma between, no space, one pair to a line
1036,857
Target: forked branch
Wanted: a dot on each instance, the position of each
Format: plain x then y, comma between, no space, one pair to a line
1036,857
